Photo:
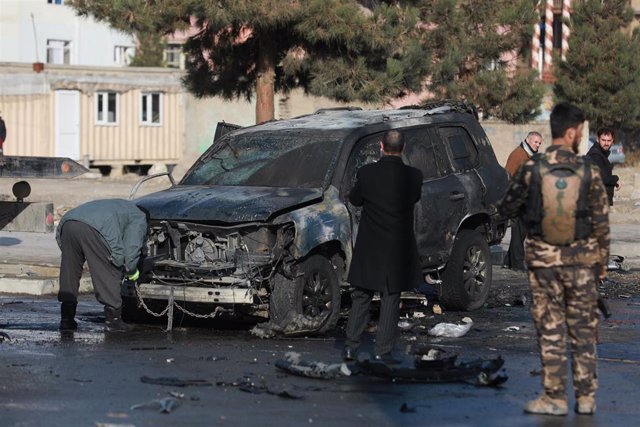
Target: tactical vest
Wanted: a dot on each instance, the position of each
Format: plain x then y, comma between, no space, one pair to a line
558,201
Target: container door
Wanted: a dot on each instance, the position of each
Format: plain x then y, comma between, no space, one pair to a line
67,116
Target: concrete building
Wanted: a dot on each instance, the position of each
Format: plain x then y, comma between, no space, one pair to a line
49,32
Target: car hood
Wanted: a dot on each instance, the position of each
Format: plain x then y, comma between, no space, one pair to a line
224,204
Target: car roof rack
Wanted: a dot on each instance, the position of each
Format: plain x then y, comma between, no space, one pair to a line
446,106
324,110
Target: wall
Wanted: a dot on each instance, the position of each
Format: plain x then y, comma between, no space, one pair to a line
18,43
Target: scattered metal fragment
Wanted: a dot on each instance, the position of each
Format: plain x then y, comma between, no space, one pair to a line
451,330
293,364
405,325
520,301
615,262
4,337
175,381
511,329
164,405
405,409
214,358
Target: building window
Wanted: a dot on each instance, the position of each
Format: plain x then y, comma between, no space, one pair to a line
172,55
150,108
106,108
122,54
55,1
58,51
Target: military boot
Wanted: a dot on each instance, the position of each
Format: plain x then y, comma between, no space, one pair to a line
113,320
67,315
547,406
585,405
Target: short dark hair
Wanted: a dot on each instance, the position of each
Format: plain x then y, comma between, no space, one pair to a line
565,116
393,141
606,131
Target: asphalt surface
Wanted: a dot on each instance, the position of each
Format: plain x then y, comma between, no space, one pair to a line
92,378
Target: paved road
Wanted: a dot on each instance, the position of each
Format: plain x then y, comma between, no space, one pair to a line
94,379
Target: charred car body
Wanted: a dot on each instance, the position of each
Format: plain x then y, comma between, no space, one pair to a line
261,224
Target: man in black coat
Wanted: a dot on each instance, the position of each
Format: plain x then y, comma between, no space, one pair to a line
598,154
385,256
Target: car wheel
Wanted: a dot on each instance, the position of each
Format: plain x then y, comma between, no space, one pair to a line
467,277
311,302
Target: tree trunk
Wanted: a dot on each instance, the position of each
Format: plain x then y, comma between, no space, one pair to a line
265,83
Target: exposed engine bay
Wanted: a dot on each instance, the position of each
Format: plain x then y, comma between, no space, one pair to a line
212,264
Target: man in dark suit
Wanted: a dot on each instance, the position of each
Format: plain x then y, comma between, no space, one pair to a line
385,256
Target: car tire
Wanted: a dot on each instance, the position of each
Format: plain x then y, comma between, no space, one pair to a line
467,277
311,302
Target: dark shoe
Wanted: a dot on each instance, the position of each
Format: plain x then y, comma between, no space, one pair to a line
67,315
387,359
348,354
113,320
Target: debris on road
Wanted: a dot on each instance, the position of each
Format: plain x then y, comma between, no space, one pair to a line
293,364
511,329
406,409
479,372
248,386
4,337
164,405
437,309
451,330
175,381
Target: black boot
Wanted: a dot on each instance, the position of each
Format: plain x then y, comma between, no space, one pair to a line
113,320
67,314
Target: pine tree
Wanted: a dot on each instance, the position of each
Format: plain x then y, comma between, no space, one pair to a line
246,48
477,50
347,50
601,73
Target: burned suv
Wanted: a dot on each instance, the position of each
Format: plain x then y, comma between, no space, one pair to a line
261,224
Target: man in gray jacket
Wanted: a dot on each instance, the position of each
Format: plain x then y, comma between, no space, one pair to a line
109,236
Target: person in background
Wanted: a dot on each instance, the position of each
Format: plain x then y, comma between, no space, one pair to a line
514,258
598,154
3,135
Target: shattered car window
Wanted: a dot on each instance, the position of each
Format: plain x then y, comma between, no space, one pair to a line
267,159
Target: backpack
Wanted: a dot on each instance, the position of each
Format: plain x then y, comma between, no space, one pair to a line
558,201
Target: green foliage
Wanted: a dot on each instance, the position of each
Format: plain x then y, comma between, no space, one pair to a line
348,50
601,73
475,47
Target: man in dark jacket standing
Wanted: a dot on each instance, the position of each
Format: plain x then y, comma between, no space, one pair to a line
109,236
385,256
598,154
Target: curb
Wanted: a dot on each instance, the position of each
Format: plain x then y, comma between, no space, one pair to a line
38,287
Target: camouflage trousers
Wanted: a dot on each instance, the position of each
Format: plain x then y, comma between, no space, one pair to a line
565,298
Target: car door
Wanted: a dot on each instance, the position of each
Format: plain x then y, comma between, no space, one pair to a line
463,155
441,205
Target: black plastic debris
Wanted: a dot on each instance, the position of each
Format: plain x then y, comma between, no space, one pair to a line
164,405
406,409
248,386
293,364
4,337
438,366
175,381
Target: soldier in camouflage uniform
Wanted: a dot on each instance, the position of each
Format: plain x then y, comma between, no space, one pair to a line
563,278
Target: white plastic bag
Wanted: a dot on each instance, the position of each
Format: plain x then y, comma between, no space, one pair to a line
451,330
